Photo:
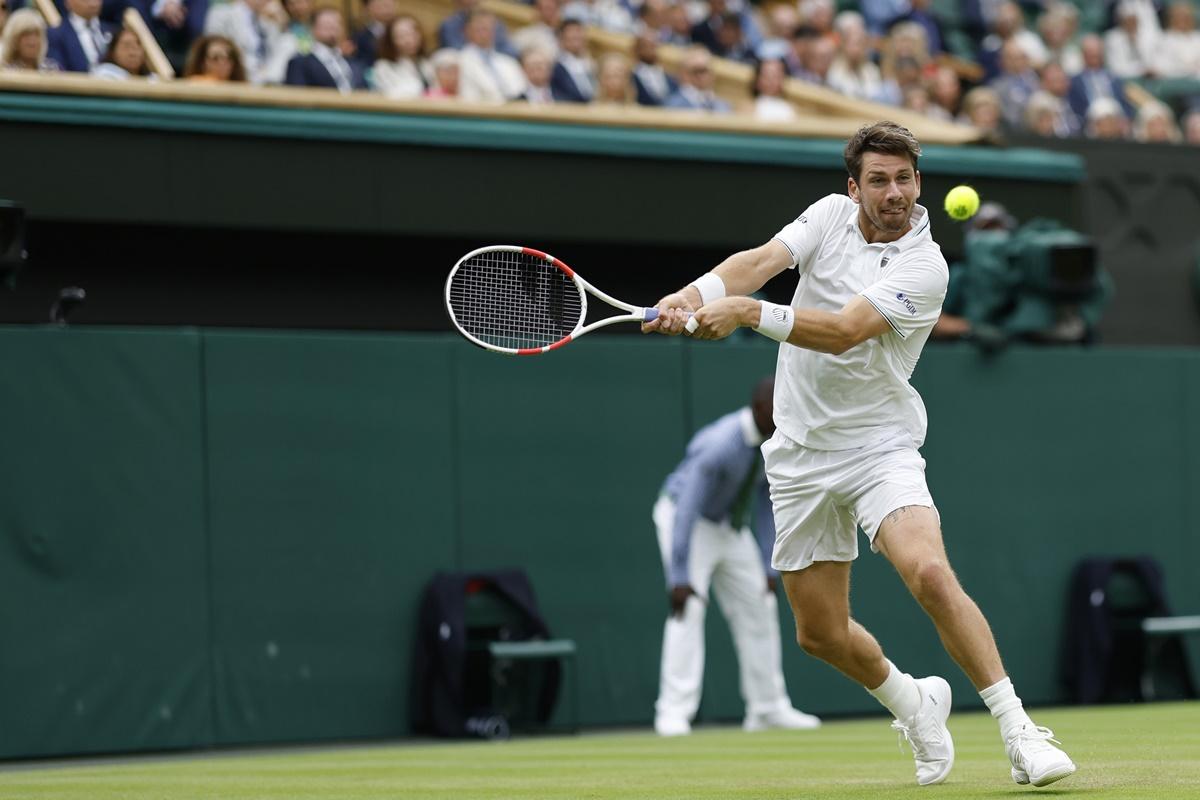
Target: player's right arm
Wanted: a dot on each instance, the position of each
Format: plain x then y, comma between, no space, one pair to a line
747,271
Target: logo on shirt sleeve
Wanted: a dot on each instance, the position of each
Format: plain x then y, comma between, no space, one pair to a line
802,219
903,298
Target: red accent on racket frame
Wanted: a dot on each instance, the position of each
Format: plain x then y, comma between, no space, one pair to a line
529,251
534,351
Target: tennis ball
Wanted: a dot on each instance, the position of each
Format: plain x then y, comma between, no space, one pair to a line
962,202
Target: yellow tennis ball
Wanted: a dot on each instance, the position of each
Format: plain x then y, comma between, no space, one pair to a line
962,202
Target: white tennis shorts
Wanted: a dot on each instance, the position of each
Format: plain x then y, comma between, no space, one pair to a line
822,497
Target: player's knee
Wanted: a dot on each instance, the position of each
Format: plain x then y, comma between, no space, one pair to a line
934,583
823,643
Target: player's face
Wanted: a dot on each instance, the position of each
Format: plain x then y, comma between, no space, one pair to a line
886,193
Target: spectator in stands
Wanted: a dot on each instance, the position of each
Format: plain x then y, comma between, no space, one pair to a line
1106,120
1057,27
696,81
299,21
1148,13
453,30
80,42
4,13
878,15
543,32
1178,53
380,14
613,84
919,14
731,41
906,43
445,63
1128,51
1016,83
214,59
1048,116
769,103
945,94
1054,81
1155,122
175,25
782,22
679,26
802,40
819,60
852,72
574,78
916,98
653,15
818,15
981,108
326,66
1191,127
652,82
252,26
705,31
538,64
296,40
23,45
1009,24
124,59
1095,81
487,75
611,15
402,71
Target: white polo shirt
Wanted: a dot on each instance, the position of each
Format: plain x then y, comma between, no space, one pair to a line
863,396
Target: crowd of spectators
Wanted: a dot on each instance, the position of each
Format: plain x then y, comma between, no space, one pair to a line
1028,68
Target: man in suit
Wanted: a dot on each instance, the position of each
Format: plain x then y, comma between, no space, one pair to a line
574,78
695,92
453,30
248,24
1095,82
325,66
175,25
485,74
380,14
79,43
652,82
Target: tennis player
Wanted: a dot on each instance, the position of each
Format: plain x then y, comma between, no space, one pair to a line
849,425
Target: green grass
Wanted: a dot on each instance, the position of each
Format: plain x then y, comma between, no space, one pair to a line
1133,751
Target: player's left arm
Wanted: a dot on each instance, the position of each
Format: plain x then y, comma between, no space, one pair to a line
823,331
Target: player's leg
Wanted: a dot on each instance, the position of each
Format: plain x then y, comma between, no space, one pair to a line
910,538
739,586
681,671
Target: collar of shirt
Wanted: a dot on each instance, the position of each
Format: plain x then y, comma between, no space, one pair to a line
696,97
919,232
749,428
82,25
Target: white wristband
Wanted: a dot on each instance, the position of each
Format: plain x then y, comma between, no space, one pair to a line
775,321
710,286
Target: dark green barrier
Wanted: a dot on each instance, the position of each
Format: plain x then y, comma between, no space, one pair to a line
331,501
103,625
222,537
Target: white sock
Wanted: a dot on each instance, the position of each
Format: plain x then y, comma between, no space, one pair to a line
1006,707
898,693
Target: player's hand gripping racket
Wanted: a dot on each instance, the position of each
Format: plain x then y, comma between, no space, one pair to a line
523,302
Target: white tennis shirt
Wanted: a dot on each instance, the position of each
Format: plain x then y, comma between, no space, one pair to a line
863,396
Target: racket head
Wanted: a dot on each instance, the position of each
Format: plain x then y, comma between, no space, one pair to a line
515,300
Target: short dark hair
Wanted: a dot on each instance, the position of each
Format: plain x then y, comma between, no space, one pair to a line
884,137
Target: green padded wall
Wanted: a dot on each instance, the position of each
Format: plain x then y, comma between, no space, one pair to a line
103,638
331,504
561,461
221,538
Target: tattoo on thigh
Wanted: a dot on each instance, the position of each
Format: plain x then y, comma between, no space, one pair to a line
900,513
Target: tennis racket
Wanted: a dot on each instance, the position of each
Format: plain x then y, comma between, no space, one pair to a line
524,302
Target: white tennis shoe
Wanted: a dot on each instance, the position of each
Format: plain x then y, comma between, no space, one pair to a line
1034,757
927,734
671,726
783,718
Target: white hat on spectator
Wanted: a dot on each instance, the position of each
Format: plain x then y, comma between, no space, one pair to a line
1103,107
446,57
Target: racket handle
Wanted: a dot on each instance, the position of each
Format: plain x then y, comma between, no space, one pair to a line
649,314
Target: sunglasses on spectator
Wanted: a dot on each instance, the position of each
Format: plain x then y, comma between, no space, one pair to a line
699,70
217,55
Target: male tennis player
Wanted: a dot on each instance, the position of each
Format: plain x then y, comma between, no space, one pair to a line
849,424
703,521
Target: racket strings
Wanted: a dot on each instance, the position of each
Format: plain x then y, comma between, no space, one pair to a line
514,300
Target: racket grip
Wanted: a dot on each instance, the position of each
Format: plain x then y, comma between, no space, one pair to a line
649,314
